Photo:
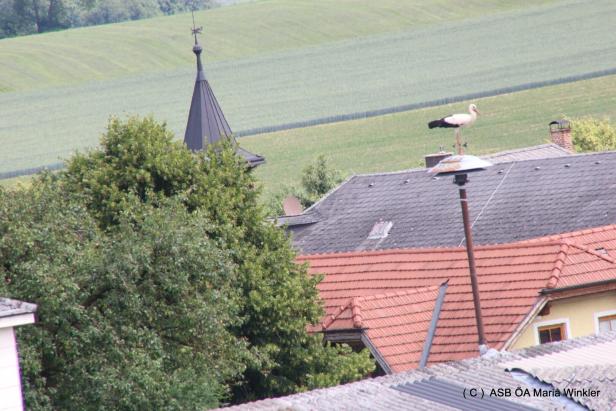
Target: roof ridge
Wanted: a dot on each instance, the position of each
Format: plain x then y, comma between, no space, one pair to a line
526,149
417,169
426,250
588,250
355,304
356,312
569,234
329,319
398,293
559,264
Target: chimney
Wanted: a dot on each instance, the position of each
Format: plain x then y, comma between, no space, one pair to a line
560,134
434,159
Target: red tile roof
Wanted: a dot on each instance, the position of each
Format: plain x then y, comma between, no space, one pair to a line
396,323
510,278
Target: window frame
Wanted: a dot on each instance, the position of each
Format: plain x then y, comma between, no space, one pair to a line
563,322
599,315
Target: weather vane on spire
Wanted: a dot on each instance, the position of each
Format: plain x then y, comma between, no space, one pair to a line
195,30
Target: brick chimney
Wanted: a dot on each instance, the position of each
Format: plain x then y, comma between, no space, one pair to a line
560,134
434,159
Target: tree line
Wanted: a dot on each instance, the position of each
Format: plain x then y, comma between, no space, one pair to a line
21,17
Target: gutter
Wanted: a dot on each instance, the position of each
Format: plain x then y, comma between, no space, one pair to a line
432,330
546,291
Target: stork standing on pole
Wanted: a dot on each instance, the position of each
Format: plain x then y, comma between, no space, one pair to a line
457,121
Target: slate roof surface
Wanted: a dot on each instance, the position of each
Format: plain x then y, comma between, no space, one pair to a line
528,153
508,202
9,307
396,323
487,372
596,238
510,279
206,123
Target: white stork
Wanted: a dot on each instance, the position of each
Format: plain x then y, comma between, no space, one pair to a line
457,121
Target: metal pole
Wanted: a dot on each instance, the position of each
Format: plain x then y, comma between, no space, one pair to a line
459,149
472,268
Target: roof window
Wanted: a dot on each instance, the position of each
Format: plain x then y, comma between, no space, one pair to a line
380,230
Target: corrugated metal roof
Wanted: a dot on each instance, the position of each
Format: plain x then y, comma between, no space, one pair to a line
485,372
597,354
600,378
446,393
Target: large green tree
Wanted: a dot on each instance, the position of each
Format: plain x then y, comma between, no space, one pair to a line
139,159
136,316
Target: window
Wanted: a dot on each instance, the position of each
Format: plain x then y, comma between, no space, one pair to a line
556,329
607,323
551,333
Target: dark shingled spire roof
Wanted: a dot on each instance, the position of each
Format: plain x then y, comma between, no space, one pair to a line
206,121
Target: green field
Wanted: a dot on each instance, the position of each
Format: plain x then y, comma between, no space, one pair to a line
239,31
294,74
399,141
276,62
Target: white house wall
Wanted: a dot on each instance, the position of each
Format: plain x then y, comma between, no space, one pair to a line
10,382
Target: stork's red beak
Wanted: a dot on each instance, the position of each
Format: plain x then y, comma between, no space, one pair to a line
477,111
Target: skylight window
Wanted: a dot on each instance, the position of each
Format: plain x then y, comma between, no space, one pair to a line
380,230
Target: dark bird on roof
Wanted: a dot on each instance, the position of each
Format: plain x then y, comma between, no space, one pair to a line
457,120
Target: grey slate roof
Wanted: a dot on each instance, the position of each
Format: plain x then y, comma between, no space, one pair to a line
508,202
528,153
9,307
438,384
206,122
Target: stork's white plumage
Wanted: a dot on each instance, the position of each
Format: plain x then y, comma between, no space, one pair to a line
457,120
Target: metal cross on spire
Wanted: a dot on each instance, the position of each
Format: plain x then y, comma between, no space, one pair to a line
195,30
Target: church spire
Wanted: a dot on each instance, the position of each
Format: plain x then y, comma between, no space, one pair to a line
206,122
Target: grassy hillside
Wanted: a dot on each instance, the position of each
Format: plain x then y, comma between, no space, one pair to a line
239,31
326,79
399,141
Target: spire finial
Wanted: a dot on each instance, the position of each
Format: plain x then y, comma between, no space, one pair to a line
195,30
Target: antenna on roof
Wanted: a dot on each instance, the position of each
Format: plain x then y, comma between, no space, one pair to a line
195,30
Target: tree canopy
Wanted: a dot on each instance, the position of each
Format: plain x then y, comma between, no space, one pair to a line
20,17
318,178
160,280
593,134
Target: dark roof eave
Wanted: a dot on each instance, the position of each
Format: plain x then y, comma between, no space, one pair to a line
253,160
577,286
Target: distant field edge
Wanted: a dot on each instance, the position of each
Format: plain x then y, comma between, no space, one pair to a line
370,113
29,171
425,104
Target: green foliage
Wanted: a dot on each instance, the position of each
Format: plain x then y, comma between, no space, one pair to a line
134,317
20,17
593,134
278,297
318,178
